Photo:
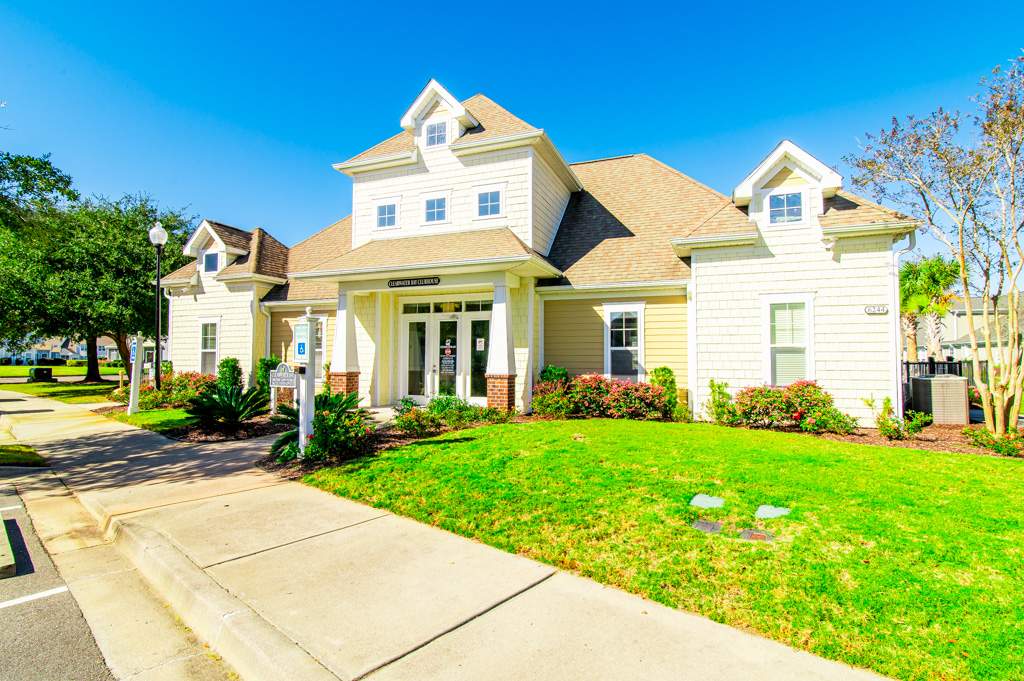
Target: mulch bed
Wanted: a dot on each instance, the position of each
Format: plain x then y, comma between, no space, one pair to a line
936,438
257,427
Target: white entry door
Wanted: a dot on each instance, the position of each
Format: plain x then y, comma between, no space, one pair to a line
447,358
416,361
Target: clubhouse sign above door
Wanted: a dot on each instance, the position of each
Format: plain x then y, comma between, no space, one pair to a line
419,281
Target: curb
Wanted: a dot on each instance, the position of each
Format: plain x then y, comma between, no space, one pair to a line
257,650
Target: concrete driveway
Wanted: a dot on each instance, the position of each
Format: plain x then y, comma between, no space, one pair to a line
285,581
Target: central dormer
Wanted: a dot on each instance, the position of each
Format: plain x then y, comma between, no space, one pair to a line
459,166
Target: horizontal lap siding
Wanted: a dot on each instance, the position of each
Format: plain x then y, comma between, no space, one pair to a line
282,324
550,198
232,308
853,351
574,334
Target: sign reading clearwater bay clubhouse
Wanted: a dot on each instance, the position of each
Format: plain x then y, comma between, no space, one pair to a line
420,281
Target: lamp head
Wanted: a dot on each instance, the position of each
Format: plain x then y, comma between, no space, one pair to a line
157,234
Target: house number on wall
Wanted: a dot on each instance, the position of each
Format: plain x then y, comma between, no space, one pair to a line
876,309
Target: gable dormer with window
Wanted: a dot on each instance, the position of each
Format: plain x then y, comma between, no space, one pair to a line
788,189
459,166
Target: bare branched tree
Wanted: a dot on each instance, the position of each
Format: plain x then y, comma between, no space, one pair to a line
963,176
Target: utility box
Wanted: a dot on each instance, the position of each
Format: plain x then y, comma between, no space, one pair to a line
944,396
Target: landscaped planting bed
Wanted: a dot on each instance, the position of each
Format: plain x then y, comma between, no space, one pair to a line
904,561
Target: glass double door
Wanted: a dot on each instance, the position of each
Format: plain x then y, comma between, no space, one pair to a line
446,355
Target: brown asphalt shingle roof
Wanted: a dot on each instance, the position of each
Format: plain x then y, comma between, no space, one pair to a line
328,243
428,250
181,275
233,237
617,229
494,121
846,209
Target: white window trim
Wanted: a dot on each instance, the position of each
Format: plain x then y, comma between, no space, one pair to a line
219,266
637,307
767,300
777,191
216,350
447,134
383,201
478,190
447,196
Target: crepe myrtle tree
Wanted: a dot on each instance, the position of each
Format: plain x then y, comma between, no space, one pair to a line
962,175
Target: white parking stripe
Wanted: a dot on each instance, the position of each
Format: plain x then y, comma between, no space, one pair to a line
33,597
12,508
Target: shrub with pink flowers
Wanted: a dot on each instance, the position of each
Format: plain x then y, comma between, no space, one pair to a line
802,404
593,395
176,390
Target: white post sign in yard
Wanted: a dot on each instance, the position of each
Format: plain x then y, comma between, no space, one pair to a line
133,395
305,357
281,377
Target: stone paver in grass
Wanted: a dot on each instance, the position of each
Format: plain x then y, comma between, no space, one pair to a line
705,501
768,511
707,526
755,535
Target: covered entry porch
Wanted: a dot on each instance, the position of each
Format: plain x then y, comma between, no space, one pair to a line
468,334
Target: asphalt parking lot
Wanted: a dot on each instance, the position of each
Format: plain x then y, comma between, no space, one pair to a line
43,635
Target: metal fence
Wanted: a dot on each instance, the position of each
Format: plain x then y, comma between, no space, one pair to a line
931,366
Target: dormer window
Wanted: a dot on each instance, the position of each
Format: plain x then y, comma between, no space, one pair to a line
785,208
211,261
488,203
437,134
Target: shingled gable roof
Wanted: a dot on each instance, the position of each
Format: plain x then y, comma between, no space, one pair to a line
263,255
328,243
494,122
617,229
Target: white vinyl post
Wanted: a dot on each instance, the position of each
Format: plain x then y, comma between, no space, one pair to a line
133,394
307,383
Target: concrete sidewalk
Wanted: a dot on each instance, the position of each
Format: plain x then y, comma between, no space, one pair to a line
285,581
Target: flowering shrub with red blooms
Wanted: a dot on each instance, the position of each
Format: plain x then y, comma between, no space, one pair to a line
176,390
802,404
339,435
593,395
973,394
763,406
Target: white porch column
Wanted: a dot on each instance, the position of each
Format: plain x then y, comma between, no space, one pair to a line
344,356
501,355
501,362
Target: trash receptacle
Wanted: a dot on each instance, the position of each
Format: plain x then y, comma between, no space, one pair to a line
40,375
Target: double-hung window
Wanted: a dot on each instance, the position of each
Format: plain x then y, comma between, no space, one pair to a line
387,215
624,353
436,209
488,203
211,260
208,347
785,208
318,347
789,341
437,134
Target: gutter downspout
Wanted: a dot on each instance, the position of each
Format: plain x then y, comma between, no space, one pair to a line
898,331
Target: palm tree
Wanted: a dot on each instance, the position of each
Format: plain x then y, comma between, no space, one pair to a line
926,291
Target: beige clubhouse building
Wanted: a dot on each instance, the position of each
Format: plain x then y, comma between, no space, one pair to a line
475,254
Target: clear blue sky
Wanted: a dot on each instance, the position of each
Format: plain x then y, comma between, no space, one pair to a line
237,110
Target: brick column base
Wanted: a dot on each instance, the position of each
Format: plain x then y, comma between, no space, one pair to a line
501,391
344,381
285,395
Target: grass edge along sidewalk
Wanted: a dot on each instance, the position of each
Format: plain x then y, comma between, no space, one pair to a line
901,561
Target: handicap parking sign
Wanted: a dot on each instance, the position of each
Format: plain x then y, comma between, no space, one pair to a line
301,349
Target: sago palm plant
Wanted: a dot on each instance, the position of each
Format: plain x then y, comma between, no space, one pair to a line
229,407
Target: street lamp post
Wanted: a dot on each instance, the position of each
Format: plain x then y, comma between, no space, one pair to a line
157,237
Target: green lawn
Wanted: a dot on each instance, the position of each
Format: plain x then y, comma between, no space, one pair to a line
907,562
158,420
8,371
73,393
20,455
